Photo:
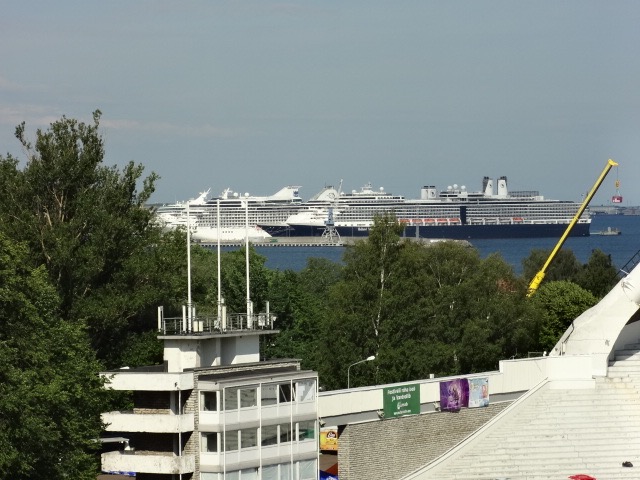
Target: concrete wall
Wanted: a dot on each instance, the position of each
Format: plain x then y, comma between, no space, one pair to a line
395,447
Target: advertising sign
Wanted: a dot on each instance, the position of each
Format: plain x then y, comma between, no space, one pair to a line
329,439
478,392
400,401
454,394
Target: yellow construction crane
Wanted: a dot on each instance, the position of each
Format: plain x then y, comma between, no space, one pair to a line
535,283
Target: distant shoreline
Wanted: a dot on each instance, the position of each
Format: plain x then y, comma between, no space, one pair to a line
613,210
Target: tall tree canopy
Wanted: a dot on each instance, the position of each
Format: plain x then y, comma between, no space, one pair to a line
88,224
422,309
559,303
50,393
598,275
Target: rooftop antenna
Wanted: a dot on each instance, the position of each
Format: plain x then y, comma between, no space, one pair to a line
219,279
189,311
246,247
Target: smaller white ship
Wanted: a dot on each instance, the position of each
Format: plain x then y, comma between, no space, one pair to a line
608,232
239,214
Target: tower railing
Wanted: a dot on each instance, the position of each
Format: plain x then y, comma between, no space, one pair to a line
190,323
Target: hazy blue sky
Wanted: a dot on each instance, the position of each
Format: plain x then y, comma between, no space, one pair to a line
254,95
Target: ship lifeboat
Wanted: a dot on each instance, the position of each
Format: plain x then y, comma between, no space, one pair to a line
404,221
454,220
429,220
442,220
518,219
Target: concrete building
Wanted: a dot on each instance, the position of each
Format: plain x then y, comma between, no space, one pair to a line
213,410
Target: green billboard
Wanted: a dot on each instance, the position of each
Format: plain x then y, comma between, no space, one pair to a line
400,401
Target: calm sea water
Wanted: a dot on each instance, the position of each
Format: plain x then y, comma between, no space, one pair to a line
620,247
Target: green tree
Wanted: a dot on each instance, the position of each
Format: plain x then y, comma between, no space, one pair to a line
359,302
301,302
559,303
50,393
598,275
423,309
88,224
564,266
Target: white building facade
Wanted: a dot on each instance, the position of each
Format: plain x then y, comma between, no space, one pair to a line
213,411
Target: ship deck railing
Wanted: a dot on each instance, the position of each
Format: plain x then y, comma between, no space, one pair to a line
438,222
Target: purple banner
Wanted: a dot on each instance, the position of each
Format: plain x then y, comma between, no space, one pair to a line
454,394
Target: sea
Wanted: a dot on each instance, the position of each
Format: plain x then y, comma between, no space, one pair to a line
513,250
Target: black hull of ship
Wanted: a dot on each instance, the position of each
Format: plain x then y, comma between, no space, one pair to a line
453,232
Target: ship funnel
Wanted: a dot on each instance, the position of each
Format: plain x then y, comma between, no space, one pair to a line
502,187
428,192
487,186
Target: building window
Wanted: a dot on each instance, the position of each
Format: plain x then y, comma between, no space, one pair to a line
285,471
249,474
306,390
269,394
209,442
307,430
245,474
281,471
286,393
231,441
248,397
209,401
307,470
274,434
285,432
269,435
230,398
273,394
248,438
270,472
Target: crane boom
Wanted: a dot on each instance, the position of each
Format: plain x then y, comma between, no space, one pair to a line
535,283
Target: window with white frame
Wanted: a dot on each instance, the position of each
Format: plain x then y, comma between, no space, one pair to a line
231,440
306,390
269,435
239,439
249,474
248,397
307,430
285,432
269,394
280,471
307,470
209,442
270,472
209,401
230,399
286,393
244,474
248,438
274,434
272,394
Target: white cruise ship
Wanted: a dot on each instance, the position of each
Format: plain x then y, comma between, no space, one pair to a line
236,212
453,213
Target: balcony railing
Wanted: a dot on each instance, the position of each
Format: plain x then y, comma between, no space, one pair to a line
148,422
213,324
147,462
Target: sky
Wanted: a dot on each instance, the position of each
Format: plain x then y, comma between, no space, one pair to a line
256,95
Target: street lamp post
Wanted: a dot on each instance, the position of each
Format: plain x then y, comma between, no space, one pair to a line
368,359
